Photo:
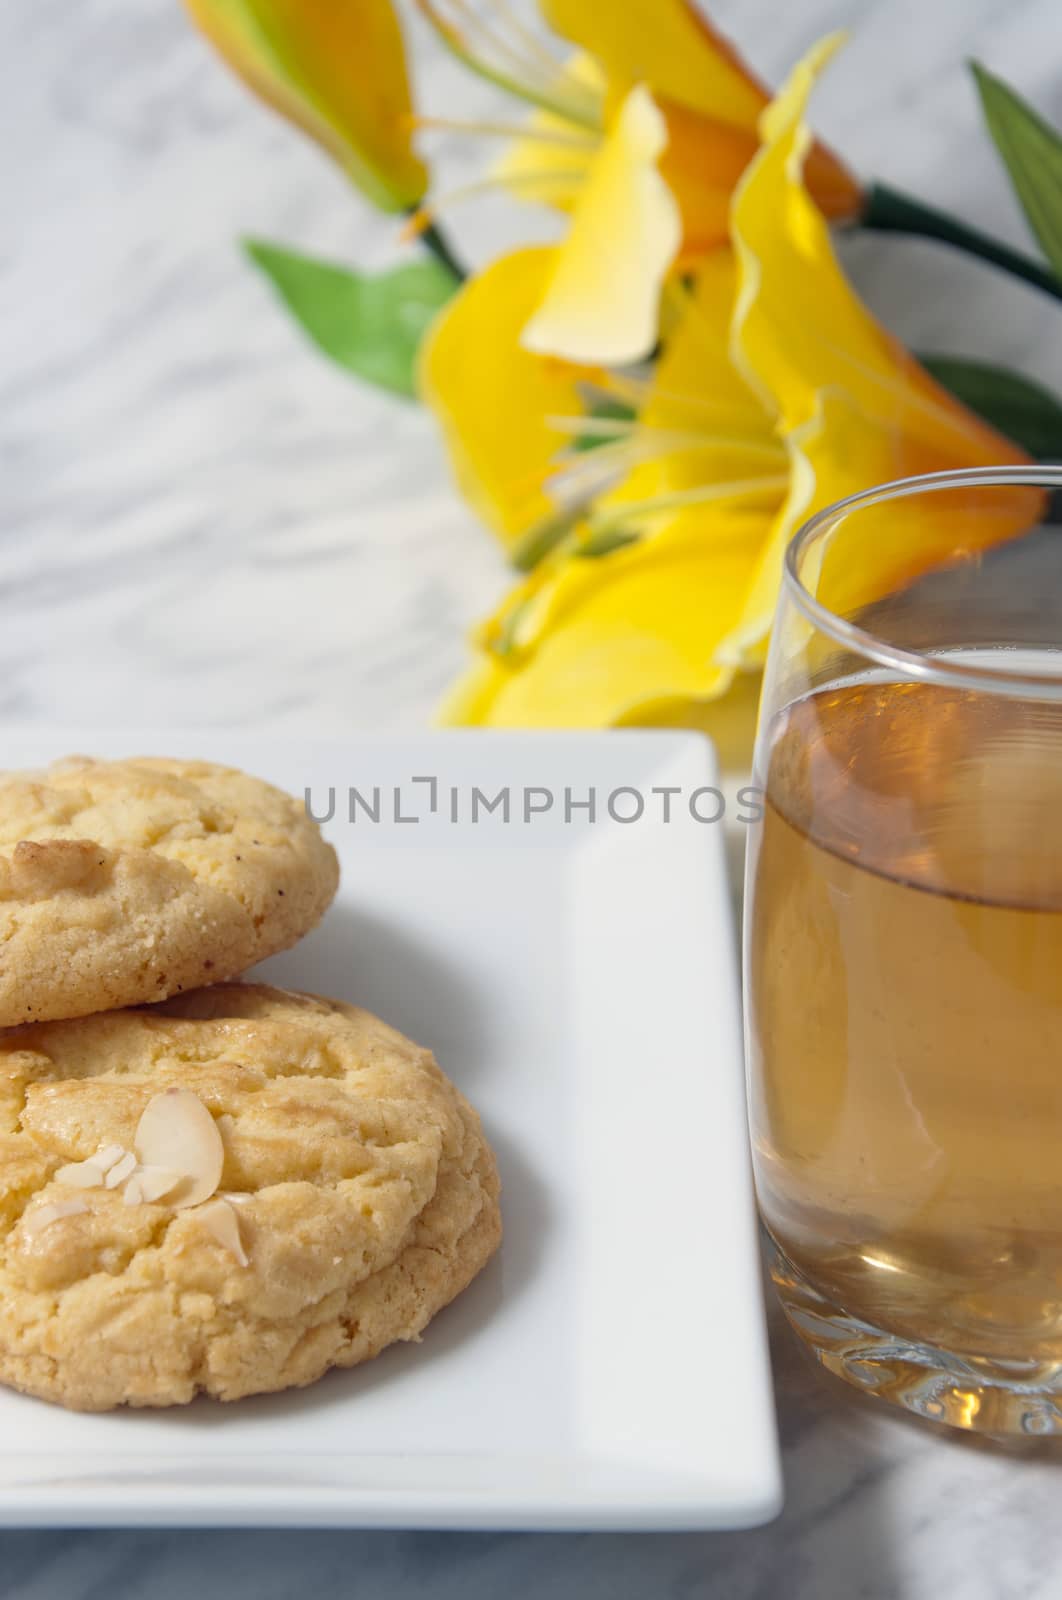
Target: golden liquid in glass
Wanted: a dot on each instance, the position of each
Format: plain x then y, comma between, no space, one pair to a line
905,1002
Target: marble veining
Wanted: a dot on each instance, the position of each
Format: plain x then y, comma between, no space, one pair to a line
200,521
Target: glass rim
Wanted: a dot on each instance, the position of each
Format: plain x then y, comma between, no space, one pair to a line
918,664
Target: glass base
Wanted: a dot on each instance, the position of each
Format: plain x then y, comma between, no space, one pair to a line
1016,1399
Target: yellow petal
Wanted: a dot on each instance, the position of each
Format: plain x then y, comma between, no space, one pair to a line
595,642
337,69
666,44
711,100
712,427
494,399
601,302
854,406
745,644
800,328
695,380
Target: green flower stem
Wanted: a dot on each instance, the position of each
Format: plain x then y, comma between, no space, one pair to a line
890,211
435,242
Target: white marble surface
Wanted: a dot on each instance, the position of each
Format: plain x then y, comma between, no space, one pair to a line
201,521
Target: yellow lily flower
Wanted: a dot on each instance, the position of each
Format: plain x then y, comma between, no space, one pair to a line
514,421
624,620
854,406
335,68
601,149
765,405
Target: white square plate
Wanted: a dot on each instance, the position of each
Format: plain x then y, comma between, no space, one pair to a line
577,979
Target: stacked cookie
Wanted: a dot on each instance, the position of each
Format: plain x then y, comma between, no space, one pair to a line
205,1186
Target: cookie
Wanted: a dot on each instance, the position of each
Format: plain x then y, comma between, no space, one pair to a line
128,881
363,1197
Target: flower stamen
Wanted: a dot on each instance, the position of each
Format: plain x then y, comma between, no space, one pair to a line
555,91
425,215
494,38
702,494
530,133
534,45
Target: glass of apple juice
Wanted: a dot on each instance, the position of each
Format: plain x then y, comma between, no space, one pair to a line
903,946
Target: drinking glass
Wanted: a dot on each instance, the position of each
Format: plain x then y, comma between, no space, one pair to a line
903,946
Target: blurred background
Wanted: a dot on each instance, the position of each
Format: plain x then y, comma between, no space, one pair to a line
202,520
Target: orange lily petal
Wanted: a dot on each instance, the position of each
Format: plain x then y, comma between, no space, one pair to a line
335,68
702,166
711,99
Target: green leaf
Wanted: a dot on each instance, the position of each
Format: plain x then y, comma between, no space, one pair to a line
1032,152
1023,410
370,325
